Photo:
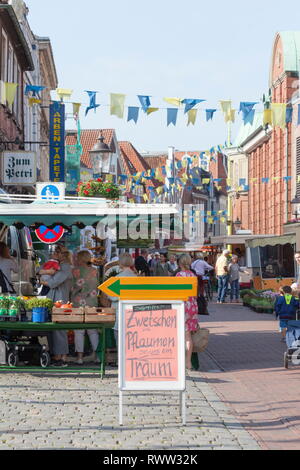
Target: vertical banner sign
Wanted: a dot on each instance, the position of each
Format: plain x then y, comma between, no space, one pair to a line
57,142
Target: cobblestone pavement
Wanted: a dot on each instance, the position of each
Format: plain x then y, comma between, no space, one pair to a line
244,365
80,411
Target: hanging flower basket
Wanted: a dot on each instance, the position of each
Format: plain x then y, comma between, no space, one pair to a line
98,188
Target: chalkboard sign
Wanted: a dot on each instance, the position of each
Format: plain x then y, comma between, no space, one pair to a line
152,345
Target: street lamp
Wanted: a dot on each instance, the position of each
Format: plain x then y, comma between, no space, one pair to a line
100,157
296,205
237,224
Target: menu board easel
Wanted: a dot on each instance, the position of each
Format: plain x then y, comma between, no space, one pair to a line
152,348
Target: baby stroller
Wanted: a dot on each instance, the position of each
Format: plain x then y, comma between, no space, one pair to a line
28,350
293,344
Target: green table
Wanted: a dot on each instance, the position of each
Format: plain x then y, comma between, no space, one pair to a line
46,327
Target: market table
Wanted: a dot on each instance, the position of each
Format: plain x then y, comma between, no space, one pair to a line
46,327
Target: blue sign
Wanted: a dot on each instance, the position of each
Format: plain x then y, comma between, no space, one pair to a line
57,142
50,193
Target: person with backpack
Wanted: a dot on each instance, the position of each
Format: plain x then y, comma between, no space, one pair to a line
7,266
286,307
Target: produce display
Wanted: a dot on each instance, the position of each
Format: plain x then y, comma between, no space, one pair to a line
261,301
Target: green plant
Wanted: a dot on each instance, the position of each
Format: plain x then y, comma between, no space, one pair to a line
37,303
98,188
4,302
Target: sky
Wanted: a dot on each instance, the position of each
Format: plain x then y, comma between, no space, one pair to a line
211,50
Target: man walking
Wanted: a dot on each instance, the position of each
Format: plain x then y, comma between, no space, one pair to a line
200,266
222,274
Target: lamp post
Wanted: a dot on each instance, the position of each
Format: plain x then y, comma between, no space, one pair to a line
100,158
237,224
296,206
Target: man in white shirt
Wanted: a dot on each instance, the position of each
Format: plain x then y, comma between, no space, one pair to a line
200,266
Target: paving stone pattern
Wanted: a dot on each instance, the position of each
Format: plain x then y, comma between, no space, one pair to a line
80,411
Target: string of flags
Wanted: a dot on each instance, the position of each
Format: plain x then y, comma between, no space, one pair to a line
275,114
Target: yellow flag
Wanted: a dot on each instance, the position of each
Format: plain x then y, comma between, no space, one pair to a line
117,102
64,93
279,114
132,201
205,180
174,101
267,117
225,105
192,114
152,110
145,197
32,101
76,108
230,116
10,92
298,179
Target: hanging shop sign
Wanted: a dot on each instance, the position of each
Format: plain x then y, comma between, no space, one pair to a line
57,142
18,168
51,192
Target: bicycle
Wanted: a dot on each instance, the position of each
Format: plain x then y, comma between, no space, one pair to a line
208,289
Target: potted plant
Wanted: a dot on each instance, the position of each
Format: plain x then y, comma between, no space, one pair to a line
40,309
4,305
98,188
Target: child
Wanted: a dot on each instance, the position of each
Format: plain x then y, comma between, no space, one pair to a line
50,264
286,307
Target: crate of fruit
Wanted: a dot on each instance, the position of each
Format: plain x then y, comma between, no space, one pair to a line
99,315
66,313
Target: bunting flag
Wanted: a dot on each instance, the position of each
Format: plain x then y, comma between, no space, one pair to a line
279,114
230,116
174,101
172,116
192,116
152,110
10,90
190,103
133,114
267,117
63,93
145,102
117,102
289,115
210,114
32,101
34,89
92,105
246,108
76,109
225,105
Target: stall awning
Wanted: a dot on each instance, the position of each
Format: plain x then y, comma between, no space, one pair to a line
69,213
272,241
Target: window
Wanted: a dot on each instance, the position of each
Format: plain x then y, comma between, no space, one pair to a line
277,261
3,71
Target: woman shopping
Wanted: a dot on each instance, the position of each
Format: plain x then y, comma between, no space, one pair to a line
7,266
60,283
85,293
190,307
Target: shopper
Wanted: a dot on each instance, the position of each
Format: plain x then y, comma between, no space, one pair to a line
191,309
234,271
85,293
141,264
126,265
286,307
60,284
222,275
7,266
200,267
162,268
172,265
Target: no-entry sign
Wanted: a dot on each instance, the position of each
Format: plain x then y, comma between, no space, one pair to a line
50,235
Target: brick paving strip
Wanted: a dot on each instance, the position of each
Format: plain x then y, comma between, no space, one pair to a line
244,365
80,411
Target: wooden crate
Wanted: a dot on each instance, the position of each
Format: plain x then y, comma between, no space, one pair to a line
99,315
68,315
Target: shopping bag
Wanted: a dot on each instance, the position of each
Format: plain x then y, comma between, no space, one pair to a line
202,305
200,339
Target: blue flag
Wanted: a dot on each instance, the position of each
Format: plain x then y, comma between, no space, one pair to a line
93,105
34,89
210,114
289,114
190,103
172,116
145,102
246,107
133,113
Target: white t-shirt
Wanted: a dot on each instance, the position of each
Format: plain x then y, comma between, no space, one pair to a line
200,266
7,266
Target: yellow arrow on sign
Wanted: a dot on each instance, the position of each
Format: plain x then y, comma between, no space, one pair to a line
151,288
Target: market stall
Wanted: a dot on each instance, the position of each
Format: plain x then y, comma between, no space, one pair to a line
124,220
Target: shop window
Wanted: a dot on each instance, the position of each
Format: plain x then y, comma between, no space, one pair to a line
277,261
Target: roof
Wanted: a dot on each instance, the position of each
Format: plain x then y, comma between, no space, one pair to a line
22,44
246,130
88,139
291,50
132,160
156,161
